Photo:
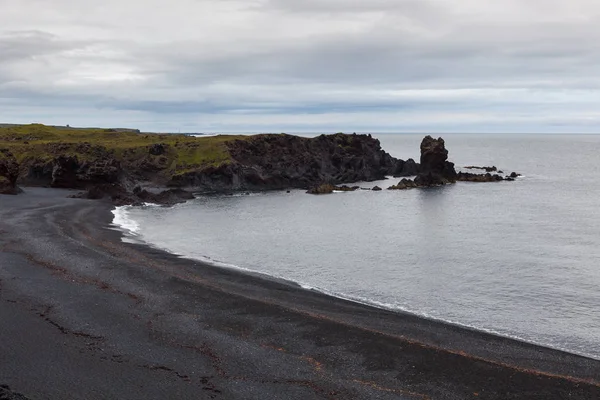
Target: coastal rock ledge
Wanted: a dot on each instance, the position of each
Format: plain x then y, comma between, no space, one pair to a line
130,167
9,173
436,170
267,162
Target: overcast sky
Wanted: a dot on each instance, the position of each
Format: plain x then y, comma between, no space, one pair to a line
303,65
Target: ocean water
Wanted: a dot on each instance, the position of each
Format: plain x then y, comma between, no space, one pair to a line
519,259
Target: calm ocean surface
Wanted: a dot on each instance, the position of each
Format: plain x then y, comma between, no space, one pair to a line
520,259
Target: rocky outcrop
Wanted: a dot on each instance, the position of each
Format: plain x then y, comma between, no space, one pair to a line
118,195
404,184
9,172
405,168
487,177
69,172
265,162
327,188
222,164
165,197
435,169
486,169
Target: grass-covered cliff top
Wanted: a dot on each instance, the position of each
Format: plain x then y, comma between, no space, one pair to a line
39,143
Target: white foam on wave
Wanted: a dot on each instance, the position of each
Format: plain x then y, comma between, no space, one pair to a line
124,222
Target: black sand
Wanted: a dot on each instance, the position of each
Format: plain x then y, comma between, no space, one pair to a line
84,316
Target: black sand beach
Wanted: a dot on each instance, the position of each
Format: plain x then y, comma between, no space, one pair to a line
85,316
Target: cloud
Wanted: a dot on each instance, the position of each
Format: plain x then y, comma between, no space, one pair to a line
392,65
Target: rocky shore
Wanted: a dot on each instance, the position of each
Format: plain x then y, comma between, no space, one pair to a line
124,166
9,173
128,167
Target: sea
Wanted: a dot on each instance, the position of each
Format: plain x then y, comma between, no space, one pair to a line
518,259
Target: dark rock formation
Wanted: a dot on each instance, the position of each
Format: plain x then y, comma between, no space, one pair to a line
405,168
433,154
435,169
112,191
38,174
327,188
64,172
121,196
514,175
410,168
167,197
429,179
486,169
157,149
404,184
69,172
226,165
487,177
9,172
376,188
266,162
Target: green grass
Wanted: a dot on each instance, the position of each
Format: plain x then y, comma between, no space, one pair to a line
41,143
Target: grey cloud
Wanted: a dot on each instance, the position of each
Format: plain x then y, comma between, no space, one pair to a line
283,59
25,44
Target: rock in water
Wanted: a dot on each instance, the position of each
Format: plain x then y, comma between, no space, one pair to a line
487,177
433,154
9,172
435,169
327,188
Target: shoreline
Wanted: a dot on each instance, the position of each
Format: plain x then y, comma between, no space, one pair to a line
132,238
228,333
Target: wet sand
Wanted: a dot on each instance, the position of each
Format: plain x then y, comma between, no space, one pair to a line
85,316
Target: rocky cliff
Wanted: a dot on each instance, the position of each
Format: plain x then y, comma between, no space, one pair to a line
9,172
122,165
115,163
285,161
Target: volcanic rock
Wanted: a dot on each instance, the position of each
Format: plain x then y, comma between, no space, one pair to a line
469,177
69,172
404,184
486,169
327,188
119,196
157,149
267,162
435,170
9,172
406,168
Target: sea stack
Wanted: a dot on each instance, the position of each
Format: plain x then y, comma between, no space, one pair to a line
435,169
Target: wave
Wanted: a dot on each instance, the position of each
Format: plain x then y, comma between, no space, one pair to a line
124,222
